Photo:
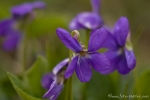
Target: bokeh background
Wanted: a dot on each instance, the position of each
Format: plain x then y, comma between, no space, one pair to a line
42,40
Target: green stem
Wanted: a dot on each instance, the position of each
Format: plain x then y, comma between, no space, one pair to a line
84,96
49,51
23,25
25,53
87,37
68,90
126,91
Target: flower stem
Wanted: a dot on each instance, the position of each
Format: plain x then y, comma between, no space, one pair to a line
71,93
87,37
23,27
49,50
68,90
126,91
25,53
70,80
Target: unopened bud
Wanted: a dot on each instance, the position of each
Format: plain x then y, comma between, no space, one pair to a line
75,34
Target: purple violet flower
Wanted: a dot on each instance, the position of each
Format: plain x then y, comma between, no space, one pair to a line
11,41
85,58
88,20
54,82
9,36
22,10
5,26
120,50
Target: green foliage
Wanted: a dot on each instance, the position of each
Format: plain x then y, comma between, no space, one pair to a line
142,84
30,82
17,86
45,25
34,75
6,90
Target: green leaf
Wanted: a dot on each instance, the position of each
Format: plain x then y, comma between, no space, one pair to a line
17,84
34,75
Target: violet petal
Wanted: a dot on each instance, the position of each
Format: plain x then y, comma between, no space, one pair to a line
22,10
83,69
71,67
99,62
130,58
11,41
60,65
113,56
67,39
110,42
74,25
90,20
55,96
122,66
121,30
97,39
5,26
54,90
47,80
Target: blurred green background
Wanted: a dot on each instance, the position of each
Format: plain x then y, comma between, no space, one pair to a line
42,40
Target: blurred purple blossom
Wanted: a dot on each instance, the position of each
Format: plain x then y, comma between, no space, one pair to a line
24,9
9,36
120,51
85,58
54,82
5,26
88,20
8,33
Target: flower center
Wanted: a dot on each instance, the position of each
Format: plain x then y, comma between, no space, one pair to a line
60,77
121,50
82,53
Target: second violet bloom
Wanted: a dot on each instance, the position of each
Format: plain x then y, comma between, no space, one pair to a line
85,57
54,81
120,50
88,20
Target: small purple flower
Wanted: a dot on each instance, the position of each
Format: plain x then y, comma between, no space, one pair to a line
22,10
5,26
11,41
10,36
8,33
54,82
85,58
88,20
120,50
